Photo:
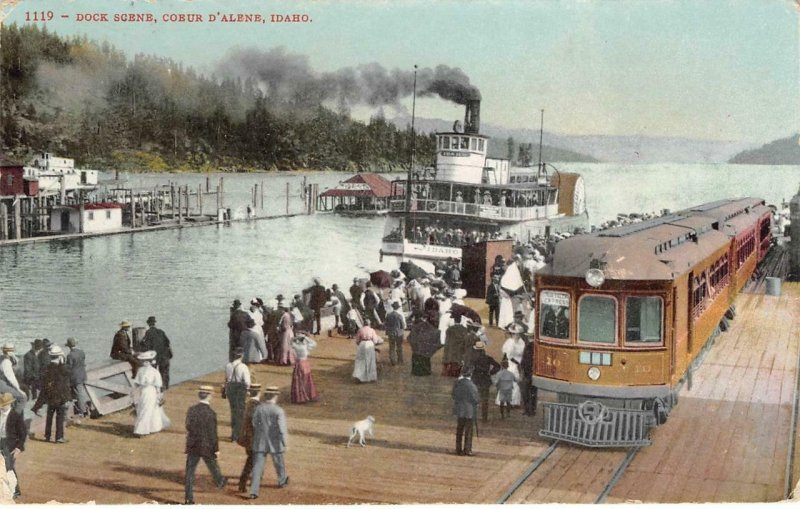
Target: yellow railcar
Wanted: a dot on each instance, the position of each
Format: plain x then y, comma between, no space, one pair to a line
624,315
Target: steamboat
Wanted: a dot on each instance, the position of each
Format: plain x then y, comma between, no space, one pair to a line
468,197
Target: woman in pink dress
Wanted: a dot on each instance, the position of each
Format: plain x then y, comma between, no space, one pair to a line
303,388
285,336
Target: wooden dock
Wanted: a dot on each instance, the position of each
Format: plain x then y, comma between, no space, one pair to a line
726,441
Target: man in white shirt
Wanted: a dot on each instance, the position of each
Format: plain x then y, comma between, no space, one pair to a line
237,381
8,379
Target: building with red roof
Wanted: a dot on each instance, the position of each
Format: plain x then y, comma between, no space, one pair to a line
86,218
361,194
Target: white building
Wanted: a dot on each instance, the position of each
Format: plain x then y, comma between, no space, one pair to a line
86,218
55,172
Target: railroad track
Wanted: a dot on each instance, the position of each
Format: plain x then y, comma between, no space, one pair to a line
617,474
775,264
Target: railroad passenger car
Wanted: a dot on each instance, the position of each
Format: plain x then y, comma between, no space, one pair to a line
624,316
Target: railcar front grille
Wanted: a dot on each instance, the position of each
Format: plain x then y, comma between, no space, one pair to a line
593,424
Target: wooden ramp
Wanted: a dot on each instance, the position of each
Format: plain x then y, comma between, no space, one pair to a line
109,386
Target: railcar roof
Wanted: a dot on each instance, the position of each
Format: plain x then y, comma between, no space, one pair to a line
658,249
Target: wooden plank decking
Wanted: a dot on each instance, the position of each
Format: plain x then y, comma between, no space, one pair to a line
726,440
410,459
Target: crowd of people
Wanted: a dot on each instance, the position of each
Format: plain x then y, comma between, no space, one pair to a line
46,376
428,311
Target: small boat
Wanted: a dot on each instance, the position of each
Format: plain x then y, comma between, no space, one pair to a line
364,194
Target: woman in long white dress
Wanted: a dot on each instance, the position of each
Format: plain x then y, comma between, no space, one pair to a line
512,349
150,416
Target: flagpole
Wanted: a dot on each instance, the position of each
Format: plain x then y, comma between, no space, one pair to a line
413,141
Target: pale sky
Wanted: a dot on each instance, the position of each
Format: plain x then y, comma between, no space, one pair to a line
709,69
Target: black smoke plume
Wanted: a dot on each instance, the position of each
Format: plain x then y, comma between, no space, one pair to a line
289,77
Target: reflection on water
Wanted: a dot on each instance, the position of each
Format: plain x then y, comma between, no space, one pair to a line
188,278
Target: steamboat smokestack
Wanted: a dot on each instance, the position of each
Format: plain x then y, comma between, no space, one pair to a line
472,117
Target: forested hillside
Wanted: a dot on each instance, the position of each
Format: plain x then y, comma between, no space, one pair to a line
88,101
783,151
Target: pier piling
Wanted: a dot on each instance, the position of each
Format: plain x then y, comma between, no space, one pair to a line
3,221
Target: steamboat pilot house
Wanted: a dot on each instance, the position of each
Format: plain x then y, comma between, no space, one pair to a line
468,197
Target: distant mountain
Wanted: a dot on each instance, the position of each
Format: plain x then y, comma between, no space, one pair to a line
617,149
783,151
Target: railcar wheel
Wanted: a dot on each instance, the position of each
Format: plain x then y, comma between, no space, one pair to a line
730,314
724,325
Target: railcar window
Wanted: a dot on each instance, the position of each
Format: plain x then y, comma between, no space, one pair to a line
643,320
554,310
597,319
445,143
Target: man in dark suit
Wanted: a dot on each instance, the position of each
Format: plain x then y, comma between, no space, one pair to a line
465,402
493,300
355,295
318,296
236,324
121,349
529,392
32,375
15,432
155,339
55,393
76,364
201,442
269,437
483,367
246,436
44,358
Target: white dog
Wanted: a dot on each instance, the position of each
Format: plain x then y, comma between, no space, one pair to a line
361,428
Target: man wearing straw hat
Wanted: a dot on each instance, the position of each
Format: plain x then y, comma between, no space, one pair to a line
201,441
8,378
121,349
246,436
55,394
269,437
13,433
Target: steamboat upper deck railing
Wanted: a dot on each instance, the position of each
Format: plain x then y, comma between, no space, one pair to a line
476,210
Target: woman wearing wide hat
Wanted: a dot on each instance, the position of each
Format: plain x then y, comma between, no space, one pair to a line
150,416
512,351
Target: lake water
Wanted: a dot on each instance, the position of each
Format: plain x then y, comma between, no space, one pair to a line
188,278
